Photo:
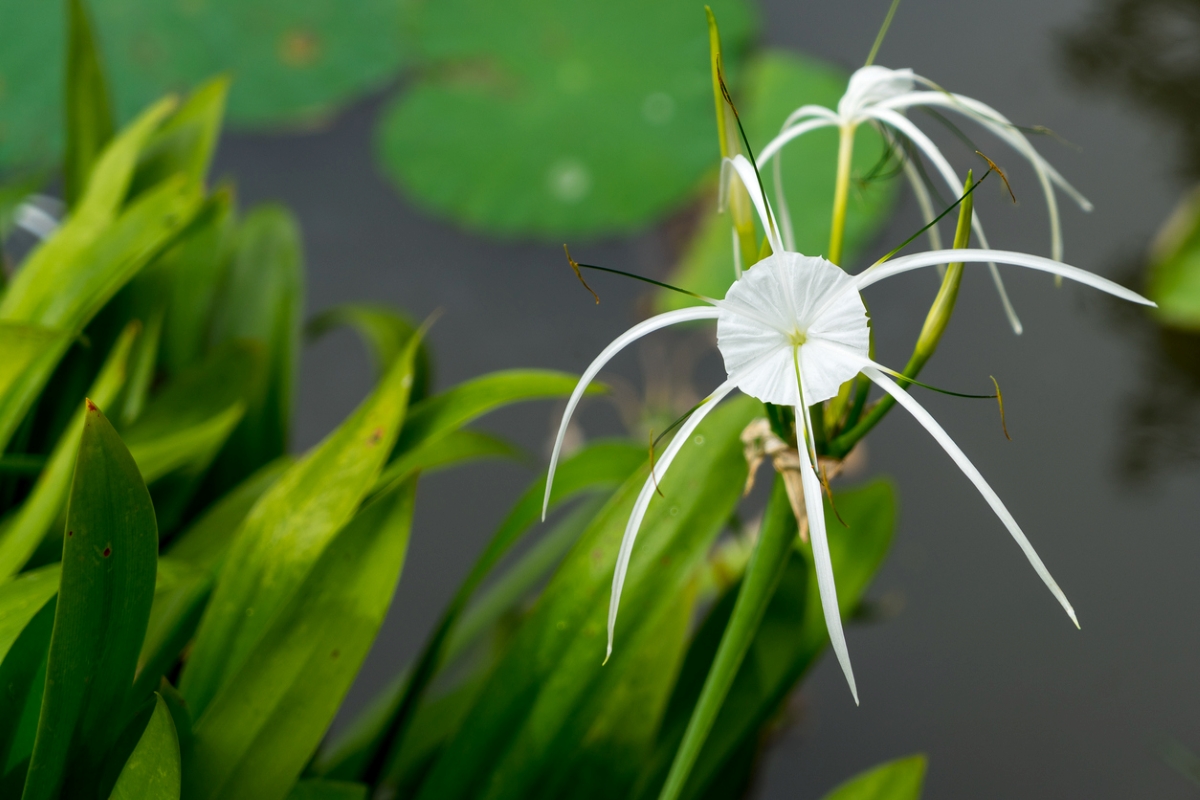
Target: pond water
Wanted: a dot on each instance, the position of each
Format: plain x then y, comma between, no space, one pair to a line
975,664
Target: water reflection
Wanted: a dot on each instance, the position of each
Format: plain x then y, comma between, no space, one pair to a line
1148,53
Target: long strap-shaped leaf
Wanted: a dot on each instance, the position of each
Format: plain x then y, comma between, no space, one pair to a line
107,586
289,529
21,537
89,119
601,464
762,576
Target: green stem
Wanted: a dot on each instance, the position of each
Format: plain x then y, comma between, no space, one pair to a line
766,567
931,334
841,193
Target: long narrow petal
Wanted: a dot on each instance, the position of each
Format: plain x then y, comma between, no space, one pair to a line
810,110
1002,128
642,503
971,255
745,171
786,135
905,126
822,561
939,434
984,114
633,334
920,191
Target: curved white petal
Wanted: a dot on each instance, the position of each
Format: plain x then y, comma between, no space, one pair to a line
905,126
924,202
871,85
633,334
643,500
1002,128
811,110
786,135
745,171
939,434
971,255
822,561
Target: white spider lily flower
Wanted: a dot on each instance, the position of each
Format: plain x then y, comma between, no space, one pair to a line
881,96
791,331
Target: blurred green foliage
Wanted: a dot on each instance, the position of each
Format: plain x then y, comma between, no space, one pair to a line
184,605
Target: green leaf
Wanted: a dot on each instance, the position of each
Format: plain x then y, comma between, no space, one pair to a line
263,299
287,531
88,109
1173,280
152,771
777,83
456,447
192,272
28,349
554,119
535,709
384,331
295,63
901,779
34,521
104,598
141,370
453,408
23,662
186,141
601,465
207,539
260,729
763,573
26,619
790,637
43,291
318,789
187,424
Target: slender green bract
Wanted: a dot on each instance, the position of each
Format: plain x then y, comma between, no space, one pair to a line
109,555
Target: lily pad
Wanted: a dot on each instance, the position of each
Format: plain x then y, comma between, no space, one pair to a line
551,119
776,84
292,62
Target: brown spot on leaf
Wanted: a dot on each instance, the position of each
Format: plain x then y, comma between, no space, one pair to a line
70,533
90,405
335,654
299,47
376,436
107,552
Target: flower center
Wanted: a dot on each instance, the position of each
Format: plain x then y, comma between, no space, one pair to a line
797,337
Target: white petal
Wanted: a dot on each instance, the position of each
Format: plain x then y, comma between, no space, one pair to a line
821,558
786,135
745,171
618,344
926,145
971,255
642,503
871,85
935,430
786,299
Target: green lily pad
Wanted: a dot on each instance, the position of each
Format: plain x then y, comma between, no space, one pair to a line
776,84
291,62
551,119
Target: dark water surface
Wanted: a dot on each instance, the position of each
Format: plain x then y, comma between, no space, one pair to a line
979,668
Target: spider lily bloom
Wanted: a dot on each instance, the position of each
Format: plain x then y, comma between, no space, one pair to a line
791,330
881,96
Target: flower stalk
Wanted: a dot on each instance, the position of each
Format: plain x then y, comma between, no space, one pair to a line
841,193
931,334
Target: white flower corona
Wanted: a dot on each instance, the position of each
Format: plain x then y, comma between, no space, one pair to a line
881,96
791,330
